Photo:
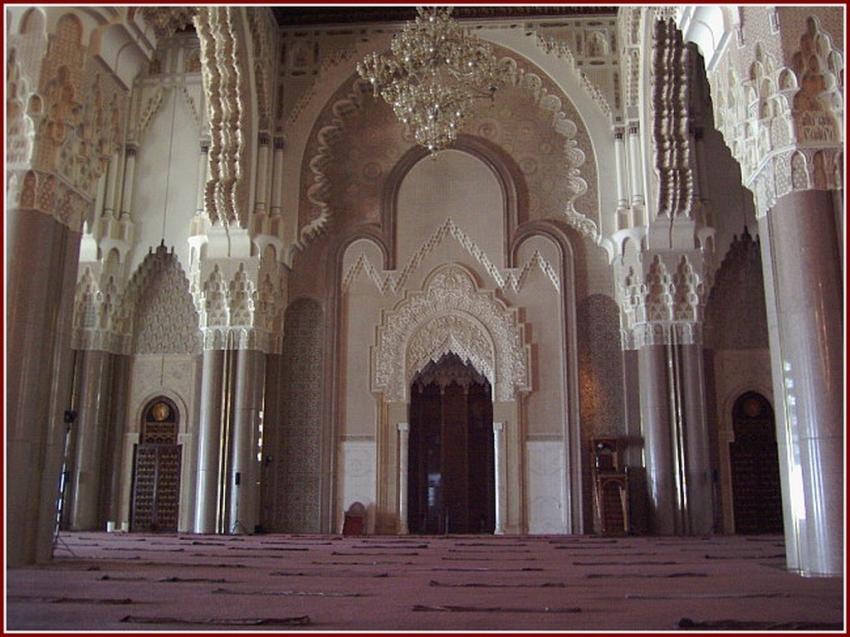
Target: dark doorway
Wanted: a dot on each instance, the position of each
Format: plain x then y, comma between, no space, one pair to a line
156,470
756,495
450,472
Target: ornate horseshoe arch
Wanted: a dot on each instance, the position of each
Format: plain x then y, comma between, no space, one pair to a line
451,314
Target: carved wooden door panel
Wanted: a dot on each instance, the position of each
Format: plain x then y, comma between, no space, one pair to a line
156,488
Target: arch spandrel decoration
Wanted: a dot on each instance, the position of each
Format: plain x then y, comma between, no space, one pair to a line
451,314
457,333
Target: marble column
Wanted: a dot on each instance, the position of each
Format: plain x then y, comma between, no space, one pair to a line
699,486
209,442
40,253
805,266
262,172
657,430
61,398
500,461
111,482
277,178
129,181
111,185
636,165
403,455
94,383
623,216
244,478
203,161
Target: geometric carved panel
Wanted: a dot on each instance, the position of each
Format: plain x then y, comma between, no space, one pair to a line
299,453
165,319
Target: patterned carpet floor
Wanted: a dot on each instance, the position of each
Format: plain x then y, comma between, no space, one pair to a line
183,582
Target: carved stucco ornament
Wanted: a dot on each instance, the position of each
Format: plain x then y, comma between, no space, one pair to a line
451,315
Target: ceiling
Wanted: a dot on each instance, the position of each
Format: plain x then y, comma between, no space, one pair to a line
292,15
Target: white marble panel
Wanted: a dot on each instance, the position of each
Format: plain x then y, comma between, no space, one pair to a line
357,478
545,486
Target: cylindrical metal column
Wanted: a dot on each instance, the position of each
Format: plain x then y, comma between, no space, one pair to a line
403,449
209,441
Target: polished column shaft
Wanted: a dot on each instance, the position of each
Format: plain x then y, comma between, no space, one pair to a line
129,181
277,178
203,160
403,455
42,257
700,504
209,442
622,175
636,165
94,382
244,501
657,438
500,462
805,266
262,172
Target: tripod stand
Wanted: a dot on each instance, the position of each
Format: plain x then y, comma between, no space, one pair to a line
70,417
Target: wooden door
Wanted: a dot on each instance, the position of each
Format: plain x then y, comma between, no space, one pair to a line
756,495
156,470
451,480
156,488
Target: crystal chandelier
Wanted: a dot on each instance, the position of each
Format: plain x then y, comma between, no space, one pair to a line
435,74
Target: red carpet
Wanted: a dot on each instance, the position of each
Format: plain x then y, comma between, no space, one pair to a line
117,582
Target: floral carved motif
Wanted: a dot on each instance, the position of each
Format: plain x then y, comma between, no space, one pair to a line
451,314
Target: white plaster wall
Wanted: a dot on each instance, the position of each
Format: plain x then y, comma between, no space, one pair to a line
454,185
357,478
545,486
362,303
165,190
176,376
543,308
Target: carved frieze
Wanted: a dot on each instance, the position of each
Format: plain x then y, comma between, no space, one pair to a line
357,143
394,282
451,314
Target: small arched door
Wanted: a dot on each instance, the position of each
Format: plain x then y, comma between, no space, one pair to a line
754,458
156,469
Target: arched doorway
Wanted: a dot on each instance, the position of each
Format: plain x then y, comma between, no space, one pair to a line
756,496
451,479
156,469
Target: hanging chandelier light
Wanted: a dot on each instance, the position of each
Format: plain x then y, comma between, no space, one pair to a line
436,72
